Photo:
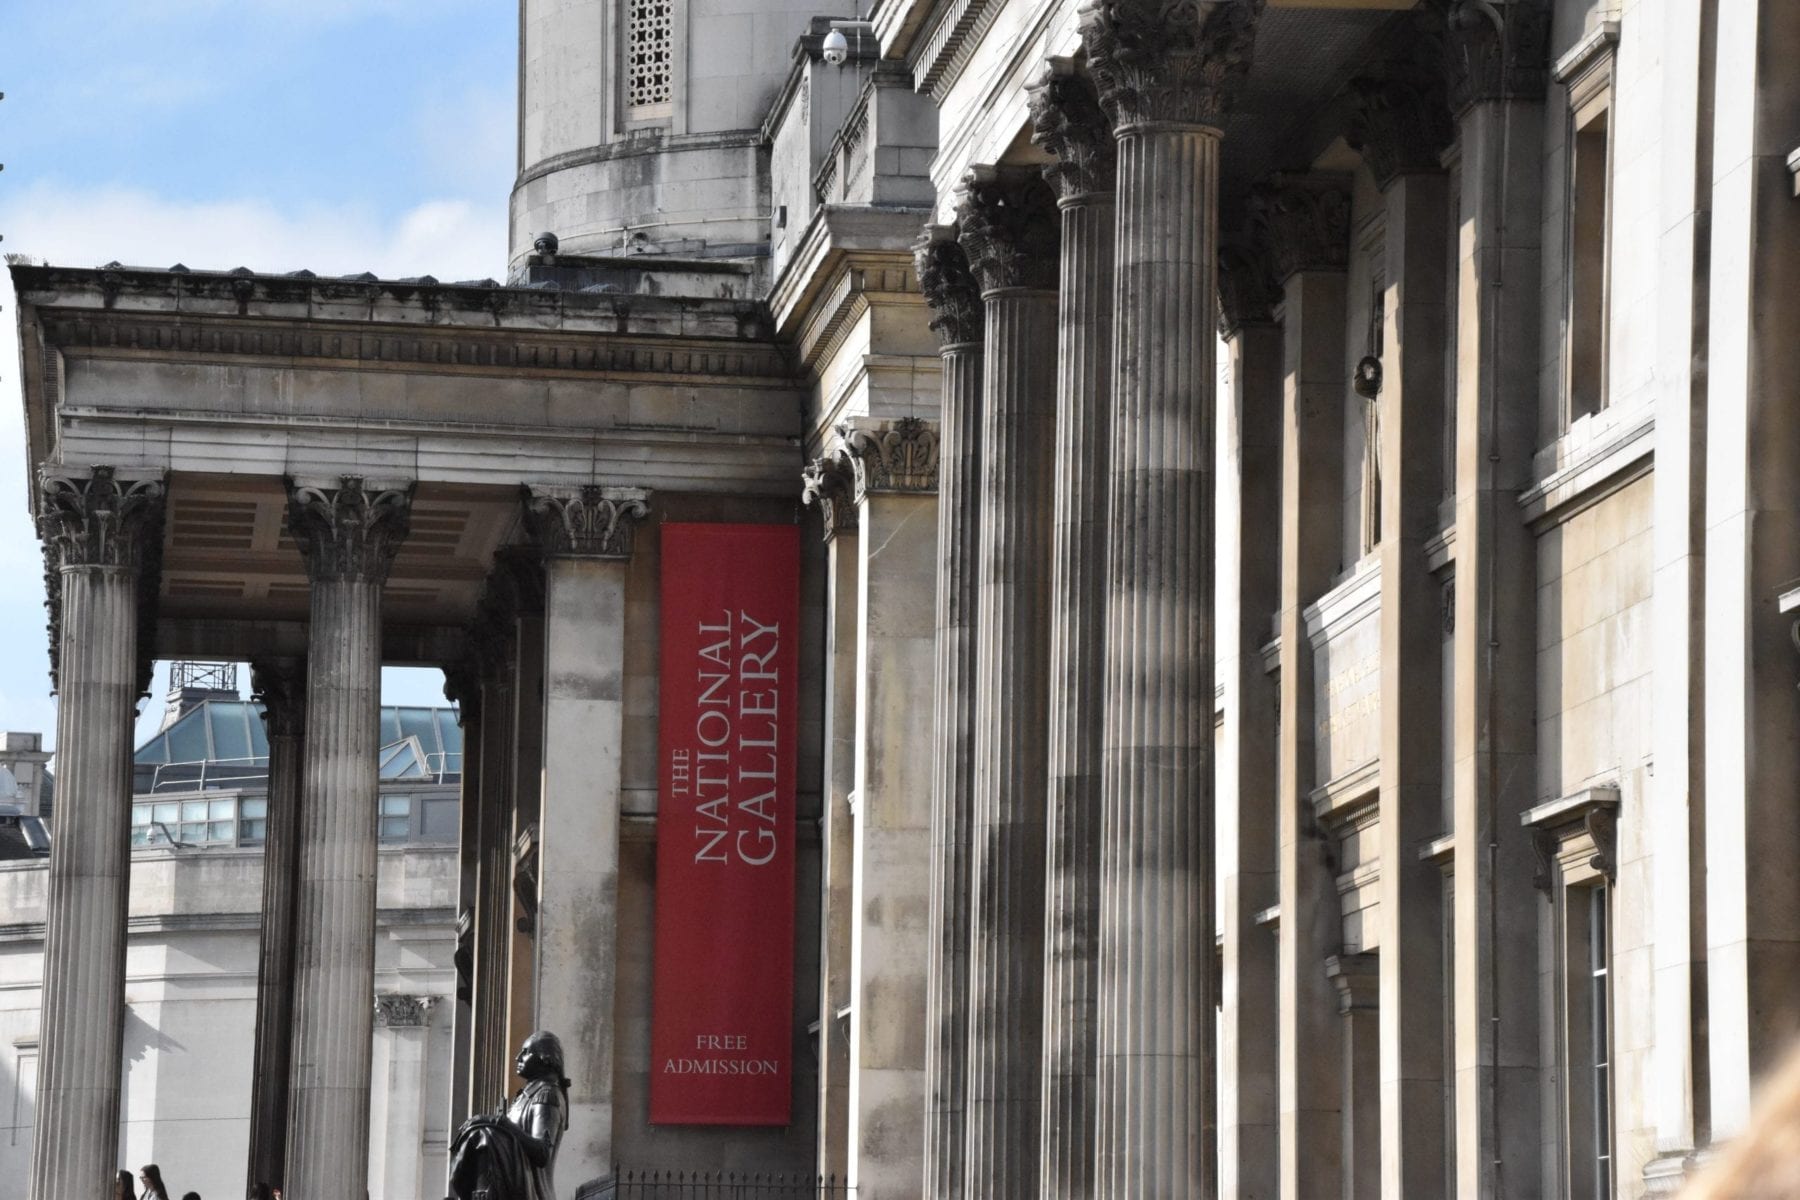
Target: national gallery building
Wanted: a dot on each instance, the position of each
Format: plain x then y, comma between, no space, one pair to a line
1127,599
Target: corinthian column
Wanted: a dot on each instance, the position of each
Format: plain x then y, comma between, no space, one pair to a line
1068,121
348,533
280,685
98,530
957,319
1009,231
1165,74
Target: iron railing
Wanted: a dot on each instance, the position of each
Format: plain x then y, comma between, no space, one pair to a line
627,1184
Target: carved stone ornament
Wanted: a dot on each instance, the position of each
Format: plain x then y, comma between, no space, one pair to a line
462,688
1067,121
403,1012
1174,61
1495,51
1010,227
349,532
957,314
98,519
829,481
1401,125
897,457
1247,290
585,522
1304,220
279,685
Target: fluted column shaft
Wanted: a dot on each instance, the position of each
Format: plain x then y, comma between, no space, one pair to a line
348,535
1006,932
1156,1120
95,530
281,686
945,280
1077,662
489,1073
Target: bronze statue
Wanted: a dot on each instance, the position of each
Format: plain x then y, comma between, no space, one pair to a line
511,1153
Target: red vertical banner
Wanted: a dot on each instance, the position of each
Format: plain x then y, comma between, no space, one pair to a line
721,1039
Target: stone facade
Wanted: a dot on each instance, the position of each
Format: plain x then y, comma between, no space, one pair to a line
1309,477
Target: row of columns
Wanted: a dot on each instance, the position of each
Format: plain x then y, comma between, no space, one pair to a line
554,635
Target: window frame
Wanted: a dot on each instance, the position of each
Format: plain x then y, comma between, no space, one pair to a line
1588,75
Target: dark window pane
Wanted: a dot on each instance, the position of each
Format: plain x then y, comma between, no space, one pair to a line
187,739
230,730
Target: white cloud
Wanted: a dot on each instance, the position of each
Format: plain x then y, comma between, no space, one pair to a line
449,238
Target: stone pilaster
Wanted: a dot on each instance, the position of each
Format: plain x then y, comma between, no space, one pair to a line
1249,531
279,685
1068,121
585,633
1496,85
1304,222
1411,407
348,532
958,320
829,483
1165,74
1010,234
98,529
397,1165
895,467
1356,977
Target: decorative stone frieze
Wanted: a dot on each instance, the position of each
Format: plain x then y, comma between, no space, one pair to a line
279,685
585,522
1304,220
351,531
404,1012
901,456
1068,122
1177,62
1009,228
948,286
99,519
1247,291
1496,51
829,481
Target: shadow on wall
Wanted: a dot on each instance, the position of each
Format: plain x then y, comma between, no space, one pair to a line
141,1037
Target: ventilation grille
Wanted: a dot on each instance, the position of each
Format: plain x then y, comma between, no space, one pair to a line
647,46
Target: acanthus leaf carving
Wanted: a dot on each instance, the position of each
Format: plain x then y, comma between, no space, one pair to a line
1068,122
279,685
585,522
829,482
1174,61
99,519
1304,221
1247,291
901,456
1495,51
957,314
403,1012
1010,228
350,532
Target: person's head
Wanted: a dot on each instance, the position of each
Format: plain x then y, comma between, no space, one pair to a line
151,1174
123,1186
190,1196
260,1191
541,1057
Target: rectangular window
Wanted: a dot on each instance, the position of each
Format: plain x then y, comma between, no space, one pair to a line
1587,1033
1589,244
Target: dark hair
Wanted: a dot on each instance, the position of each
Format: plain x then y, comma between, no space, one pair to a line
261,1192
190,1196
124,1186
153,1182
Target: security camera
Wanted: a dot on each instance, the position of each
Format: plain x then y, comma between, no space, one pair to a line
836,48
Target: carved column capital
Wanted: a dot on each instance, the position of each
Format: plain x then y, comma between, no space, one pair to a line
99,518
1400,113
585,522
1304,221
279,685
1168,61
958,317
1068,121
1247,290
1011,230
350,530
897,456
403,1012
829,481
462,688
1495,51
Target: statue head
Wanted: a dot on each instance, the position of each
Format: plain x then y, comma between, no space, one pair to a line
541,1057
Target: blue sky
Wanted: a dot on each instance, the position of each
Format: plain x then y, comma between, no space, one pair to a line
336,135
